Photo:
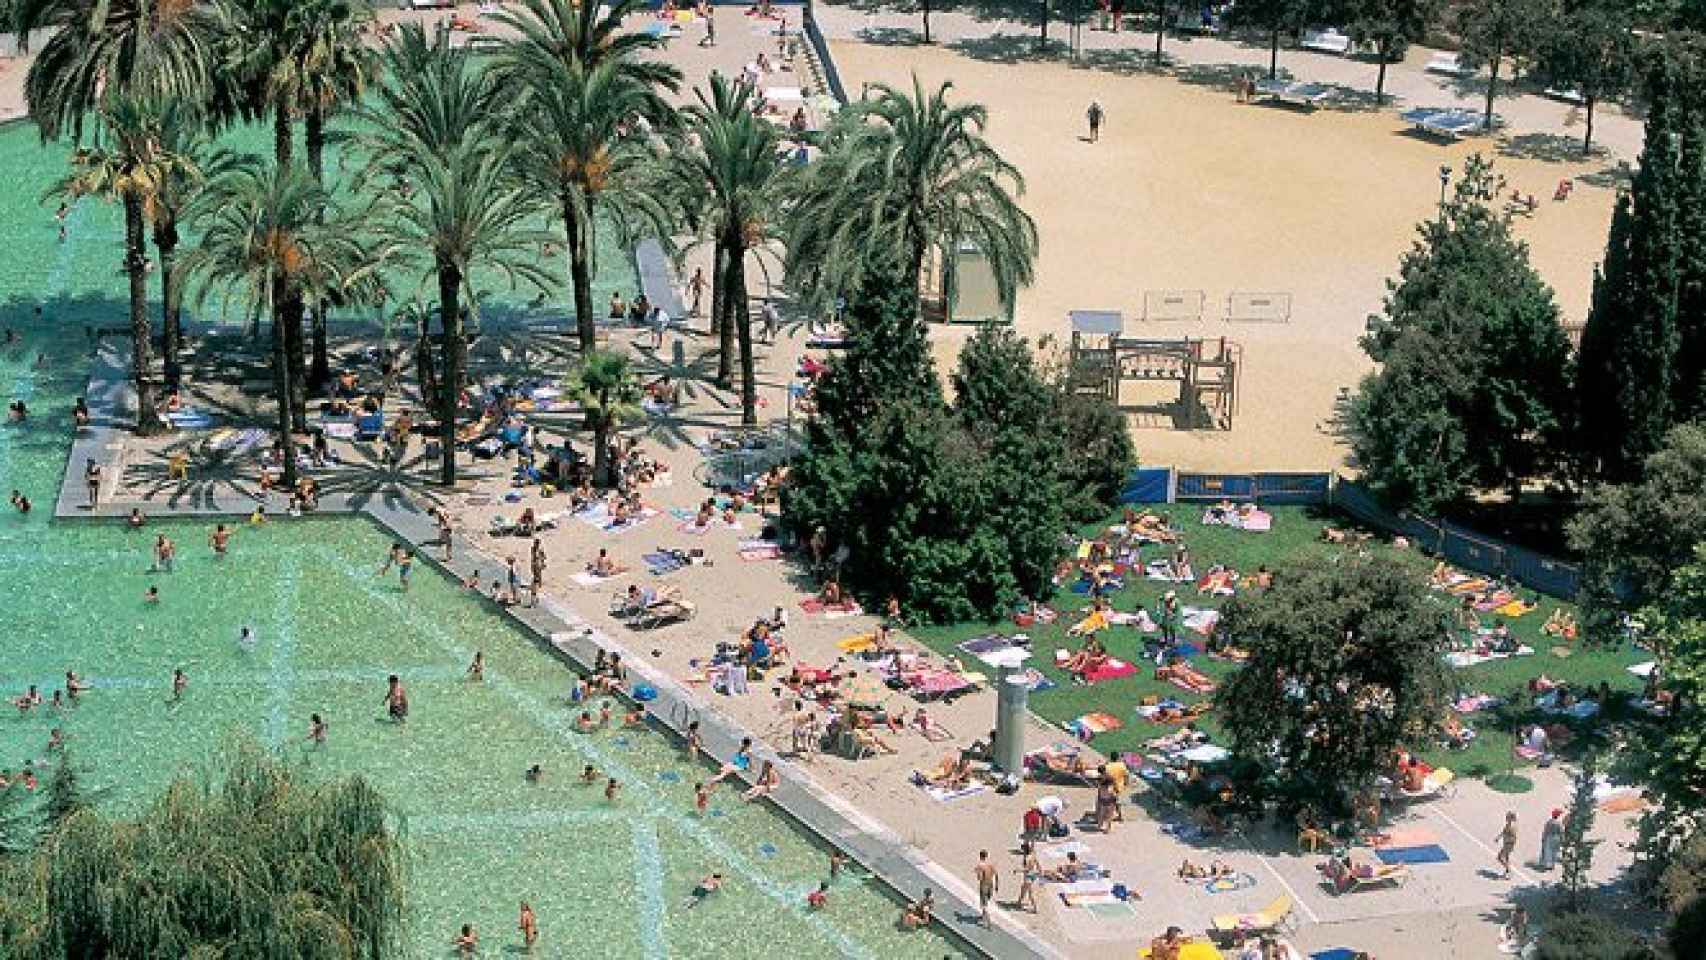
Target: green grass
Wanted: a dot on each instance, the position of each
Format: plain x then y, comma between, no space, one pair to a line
1295,535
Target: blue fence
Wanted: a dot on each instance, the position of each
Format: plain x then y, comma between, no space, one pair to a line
1458,545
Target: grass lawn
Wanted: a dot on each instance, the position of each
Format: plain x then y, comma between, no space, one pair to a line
1295,534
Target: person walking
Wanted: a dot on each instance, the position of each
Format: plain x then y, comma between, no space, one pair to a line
696,286
988,881
709,12
1095,116
1551,838
1507,843
92,476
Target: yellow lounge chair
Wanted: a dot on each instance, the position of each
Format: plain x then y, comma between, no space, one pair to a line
1266,920
1191,950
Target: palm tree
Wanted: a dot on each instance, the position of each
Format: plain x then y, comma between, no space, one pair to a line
579,35
184,134
731,172
610,395
578,141
154,49
268,238
909,173
431,122
129,169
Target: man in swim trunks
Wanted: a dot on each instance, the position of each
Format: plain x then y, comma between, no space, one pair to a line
705,888
179,684
988,881
316,730
537,562
220,540
819,898
405,566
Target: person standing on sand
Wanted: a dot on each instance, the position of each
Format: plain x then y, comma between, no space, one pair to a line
988,881
537,560
710,14
1095,116
696,287
1551,838
1507,843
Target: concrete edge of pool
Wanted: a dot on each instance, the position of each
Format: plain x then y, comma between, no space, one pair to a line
568,636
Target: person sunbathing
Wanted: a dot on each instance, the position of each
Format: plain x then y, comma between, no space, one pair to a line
868,738
1067,872
1186,737
1183,674
603,566
1148,526
1215,870
1220,581
1088,660
1560,624
831,593
952,773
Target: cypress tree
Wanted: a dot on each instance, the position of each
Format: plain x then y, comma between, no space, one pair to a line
1629,386
1691,277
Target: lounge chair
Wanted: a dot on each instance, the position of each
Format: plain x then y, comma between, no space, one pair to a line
1440,782
1451,123
1362,877
1326,41
1449,64
1270,919
1302,94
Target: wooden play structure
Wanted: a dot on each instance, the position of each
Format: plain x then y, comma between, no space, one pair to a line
1105,362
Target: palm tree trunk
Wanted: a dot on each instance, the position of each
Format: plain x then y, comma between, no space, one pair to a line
148,420
1160,28
926,6
740,316
282,154
579,237
314,135
450,305
171,332
727,330
601,450
1273,53
282,320
426,372
719,313
281,146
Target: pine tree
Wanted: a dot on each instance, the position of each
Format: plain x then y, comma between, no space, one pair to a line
63,797
1629,382
1575,853
1691,278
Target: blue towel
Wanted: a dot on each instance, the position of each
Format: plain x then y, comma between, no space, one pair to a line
1432,853
1337,953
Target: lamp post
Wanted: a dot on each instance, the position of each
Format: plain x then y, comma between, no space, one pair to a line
1444,181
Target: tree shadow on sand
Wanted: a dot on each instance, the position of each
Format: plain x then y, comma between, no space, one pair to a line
1545,147
1011,48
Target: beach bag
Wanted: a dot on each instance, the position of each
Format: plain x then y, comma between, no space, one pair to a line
645,692
1057,830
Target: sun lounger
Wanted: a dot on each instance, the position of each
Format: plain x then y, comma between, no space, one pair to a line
1362,877
1270,919
1299,93
1326,41
1440,782
1451,123
1448,64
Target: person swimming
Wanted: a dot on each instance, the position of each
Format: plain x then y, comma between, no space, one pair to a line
220,540
611,788
704,889
589,775
152,595
316,730
534,773
180,683
396,699
246,640
477,669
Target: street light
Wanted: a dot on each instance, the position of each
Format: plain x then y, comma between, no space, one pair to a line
1444,181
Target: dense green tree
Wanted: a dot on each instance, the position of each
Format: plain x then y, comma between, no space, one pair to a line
1391,26
129,168
730,176
579,36
1588,46
1491,32
1100,455
1682,892
268,239
609,392
1633,536
1344,667
1575,852
1669,758
255,863
1473,388
1588,936
911,173
1004,405
1628,364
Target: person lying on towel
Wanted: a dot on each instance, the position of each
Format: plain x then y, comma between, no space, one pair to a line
1088,660
1184,675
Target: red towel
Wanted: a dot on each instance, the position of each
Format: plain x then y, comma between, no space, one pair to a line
1112,670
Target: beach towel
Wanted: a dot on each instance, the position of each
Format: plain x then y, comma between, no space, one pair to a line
988,643
1644,670
587,578
1469,658
1112,670
1207,753
936,682
1199,619
1623,803
846,608
1475,702
1400,838
1236,882
944,794
1097,722
762,551
1515,608
1113,909
1432,853
857,644
1336,953
662,563
1035,680
1160,570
